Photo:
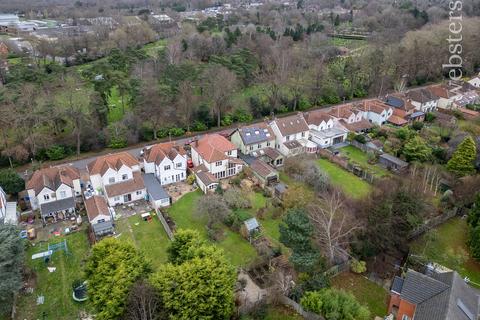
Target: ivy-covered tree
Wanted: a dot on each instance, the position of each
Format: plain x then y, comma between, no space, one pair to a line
11,264
334,305
296,232
198,282
111,270
462,161
11,182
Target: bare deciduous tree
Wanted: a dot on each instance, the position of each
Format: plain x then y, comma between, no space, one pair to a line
143,303
333,225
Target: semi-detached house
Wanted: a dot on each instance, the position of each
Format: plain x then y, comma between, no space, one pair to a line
167,161
53,191
118,177
325,130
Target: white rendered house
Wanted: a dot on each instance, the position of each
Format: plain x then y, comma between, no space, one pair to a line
167,161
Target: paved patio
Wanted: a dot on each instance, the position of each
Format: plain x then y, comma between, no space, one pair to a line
177,190
130,209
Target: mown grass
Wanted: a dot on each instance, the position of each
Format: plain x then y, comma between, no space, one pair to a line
352,185
366,292
361,158
448,240
148,236
238,250
55,286
117,109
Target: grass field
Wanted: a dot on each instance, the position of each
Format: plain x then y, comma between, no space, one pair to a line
367,293
150,237
361,158
450,237
116,109
236,248
56,286
348,182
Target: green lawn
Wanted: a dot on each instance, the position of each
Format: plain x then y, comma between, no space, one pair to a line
150,237
447,240
367,293
116,109
361,158
237,249
348,182
152,48
56,286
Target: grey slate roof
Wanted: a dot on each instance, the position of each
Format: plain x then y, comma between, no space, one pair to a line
442,296
393,159
55,206
394,102
253,135
397,285
154,188
103,227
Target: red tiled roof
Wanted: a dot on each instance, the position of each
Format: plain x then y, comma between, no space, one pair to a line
161,151
114,161
375,105
212,147
95,206
52,178
129,186
396,120
440,90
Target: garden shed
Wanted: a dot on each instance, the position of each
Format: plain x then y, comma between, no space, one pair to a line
392,162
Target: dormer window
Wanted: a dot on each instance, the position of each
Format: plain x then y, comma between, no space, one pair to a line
124,176
166,168
303,134
288,138
218,163
46,197
229,152
178,165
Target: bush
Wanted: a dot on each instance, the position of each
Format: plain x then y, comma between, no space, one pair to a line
11,182
191,179
358,266
360,138
227,120
430,117
236,199
242,115
56,152
117,143
417,125
199,126
176,132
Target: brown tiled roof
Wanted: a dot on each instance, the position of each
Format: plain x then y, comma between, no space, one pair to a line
272,153
204,175
161,151
261,168
375,105
124,187
95,206
291,125
114,161
52,178
421,95
344,111
440,90
316,117
212,147
357,126
396,120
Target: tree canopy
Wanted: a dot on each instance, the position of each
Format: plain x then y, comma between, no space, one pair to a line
111,270
198,281
11,182
463,158
11,265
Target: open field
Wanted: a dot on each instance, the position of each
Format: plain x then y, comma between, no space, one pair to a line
55,286
367,293
448,240
361,158
150,237
348,182
236,248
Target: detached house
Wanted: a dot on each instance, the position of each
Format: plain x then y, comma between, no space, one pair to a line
217,155
439,296
403,110
117,176
291,135
423,100
376,111
325,130
445,96
167,161
8,210
53,190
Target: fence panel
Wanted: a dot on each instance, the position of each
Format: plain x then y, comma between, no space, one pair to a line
165,224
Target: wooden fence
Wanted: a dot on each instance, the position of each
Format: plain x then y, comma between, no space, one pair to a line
299,309
165,224
432,223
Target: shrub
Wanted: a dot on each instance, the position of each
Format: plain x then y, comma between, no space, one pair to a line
199,126
56,152
117,143
227,120
360,138
242,115
236,199
358,266
417,125
430,117
176,132
191,179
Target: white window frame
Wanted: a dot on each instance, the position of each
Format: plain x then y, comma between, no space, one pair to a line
218,163
111,180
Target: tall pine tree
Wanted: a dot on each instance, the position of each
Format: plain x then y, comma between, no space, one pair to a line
462,160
